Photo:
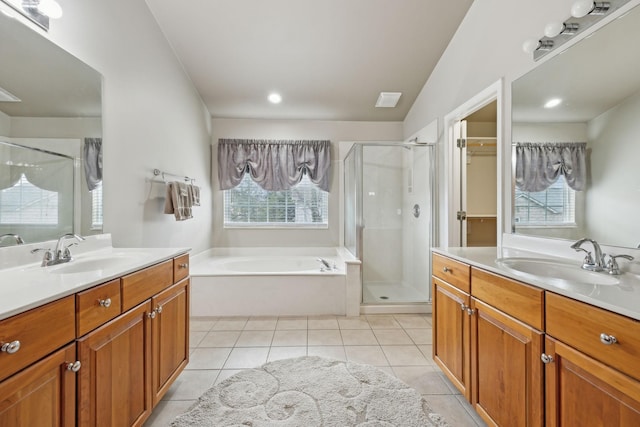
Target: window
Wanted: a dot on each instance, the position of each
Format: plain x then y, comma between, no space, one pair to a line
553,207
96,207
249,205
24,203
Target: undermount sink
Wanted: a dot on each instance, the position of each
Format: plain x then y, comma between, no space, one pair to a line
556,271
94,264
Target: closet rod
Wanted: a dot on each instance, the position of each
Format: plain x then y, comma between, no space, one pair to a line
157,172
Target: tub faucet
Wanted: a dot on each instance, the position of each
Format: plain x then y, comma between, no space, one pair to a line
326,266
589,263
15,237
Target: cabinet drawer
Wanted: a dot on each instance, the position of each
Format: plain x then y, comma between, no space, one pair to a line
143,284
39,331
451,271
180,267
524,302
580,325
97,305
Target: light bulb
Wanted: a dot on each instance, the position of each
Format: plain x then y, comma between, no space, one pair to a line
554,28
530,45
50,8
581,8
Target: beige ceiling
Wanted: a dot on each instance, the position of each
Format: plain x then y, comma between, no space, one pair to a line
329,59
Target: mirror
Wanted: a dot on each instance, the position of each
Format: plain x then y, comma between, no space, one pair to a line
50,103
598,83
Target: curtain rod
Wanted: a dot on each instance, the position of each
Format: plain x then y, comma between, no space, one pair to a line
157,172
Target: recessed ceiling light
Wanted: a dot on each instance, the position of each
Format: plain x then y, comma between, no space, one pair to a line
388,99
275,98
553,103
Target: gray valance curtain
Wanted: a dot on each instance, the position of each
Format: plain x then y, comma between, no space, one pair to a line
538,165
273,164
92,159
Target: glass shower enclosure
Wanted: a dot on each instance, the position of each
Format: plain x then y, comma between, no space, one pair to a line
389,193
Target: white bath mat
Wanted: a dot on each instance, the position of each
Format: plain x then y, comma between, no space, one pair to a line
310,391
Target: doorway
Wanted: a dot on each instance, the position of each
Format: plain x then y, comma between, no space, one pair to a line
472,190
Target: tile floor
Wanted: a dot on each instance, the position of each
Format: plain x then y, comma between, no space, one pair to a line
398,344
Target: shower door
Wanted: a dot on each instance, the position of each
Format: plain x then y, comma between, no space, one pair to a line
388,218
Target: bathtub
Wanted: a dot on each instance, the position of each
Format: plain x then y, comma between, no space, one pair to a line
274,282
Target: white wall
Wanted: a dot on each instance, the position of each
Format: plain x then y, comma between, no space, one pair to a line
152,118
334,131
614,184
486,48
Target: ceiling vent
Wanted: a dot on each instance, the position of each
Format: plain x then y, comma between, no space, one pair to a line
6,96
388,99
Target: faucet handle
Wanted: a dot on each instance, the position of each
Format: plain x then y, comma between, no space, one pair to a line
47,257
67,253
588,259
612,265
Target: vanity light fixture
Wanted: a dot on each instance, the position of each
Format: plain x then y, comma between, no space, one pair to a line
274,98
584,13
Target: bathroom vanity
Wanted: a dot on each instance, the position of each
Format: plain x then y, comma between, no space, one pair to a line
534,351
96,341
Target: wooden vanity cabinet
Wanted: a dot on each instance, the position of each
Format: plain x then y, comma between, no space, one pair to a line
170,337
451,321
43,395
593,369
36,386
536,358
114,384
580,391
130,362
506,342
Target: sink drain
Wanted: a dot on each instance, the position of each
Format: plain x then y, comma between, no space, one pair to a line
383,297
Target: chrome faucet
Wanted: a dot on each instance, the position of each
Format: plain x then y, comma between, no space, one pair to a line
589,263
61,254
16,237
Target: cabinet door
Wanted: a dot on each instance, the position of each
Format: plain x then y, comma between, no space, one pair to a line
170,336
506,370
42,395
581,391
114,385
451,326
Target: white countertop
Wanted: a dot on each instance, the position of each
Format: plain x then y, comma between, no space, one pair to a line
623,298
28,286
